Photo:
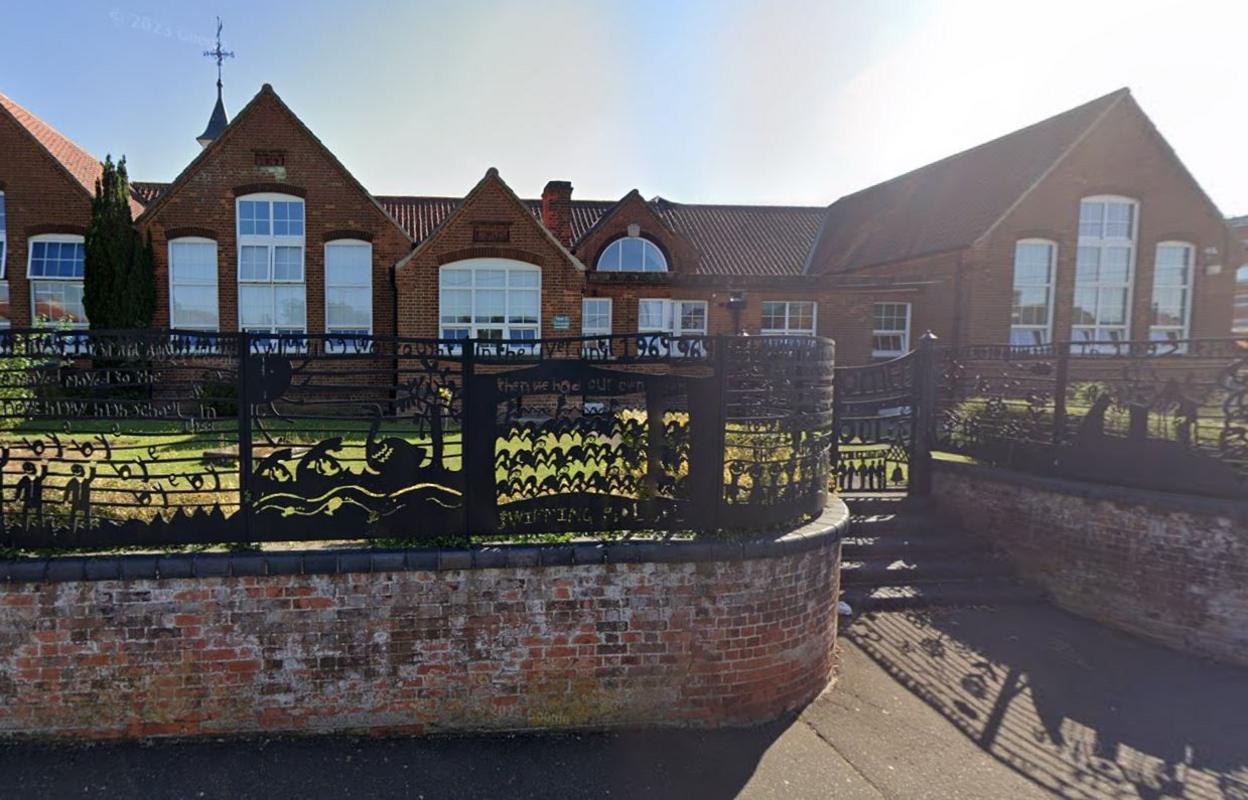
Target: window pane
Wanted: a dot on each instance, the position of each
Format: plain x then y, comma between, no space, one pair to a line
595,316
456,306
1031,306
773,315
525,306
491,306
1173,265
1115,265
491,278
288,218
253,217
348,265
1087,264
288,263
609,261
1118,220
1032,264
349,308
651,315
193,263
58,301
289,306
802,316
525,279
56,259
1091,217
255,306
194,307
456,277
654,261
632,258
1113,307
253,263
692,318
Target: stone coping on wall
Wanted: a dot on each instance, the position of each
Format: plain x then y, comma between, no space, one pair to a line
1164,501
827,528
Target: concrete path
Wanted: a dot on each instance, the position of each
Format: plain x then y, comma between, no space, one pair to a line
1015,703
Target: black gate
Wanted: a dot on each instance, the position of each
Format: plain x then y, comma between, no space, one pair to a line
883,423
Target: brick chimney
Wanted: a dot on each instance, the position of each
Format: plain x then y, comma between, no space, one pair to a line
557,210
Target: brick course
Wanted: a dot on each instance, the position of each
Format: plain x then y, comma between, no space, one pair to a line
1169,568
658,642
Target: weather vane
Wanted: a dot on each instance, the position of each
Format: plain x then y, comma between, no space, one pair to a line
219,54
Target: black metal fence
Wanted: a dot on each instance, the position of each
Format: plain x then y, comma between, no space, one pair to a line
1171,416
176,437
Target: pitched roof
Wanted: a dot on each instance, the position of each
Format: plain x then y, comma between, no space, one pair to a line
84,168
951,203
266,92
730,240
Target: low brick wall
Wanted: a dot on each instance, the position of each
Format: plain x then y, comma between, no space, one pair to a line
1166,567
572,636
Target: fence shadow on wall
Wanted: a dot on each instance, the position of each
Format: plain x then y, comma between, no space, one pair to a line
1169,416
180,437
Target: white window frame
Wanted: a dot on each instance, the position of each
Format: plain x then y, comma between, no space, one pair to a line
173,320
348,345
4,239
271,241
1050,293
671,316
5,319
35,280
788,329
1239,319
1102,243
904,333
617,246
597,331
1189,288
451,330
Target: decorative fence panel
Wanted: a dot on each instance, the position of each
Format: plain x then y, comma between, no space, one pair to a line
877,410
1170,416
152,438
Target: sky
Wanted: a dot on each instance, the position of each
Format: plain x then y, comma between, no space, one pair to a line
776,102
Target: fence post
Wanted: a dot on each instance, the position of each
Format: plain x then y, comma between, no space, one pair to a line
1061,379
925,393
244,433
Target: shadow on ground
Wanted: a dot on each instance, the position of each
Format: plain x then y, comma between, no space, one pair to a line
1080,710
652,764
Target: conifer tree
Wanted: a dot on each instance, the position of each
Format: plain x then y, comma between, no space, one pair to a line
119,285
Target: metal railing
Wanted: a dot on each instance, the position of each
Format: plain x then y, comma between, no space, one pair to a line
159,437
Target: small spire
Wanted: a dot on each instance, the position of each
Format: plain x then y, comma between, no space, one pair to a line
218,121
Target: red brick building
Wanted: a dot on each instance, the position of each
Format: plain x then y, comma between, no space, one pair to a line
1084,225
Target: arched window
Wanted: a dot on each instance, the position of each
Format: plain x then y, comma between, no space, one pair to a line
632,254
193,284
1171,309
489,298
1031,309
1104,270
272,296
55,269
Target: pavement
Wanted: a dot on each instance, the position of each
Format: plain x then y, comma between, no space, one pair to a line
1013,703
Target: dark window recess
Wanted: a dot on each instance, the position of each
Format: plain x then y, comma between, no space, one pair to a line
491,232
270,158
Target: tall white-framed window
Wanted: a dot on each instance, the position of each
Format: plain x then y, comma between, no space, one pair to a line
55,268
632,254
4,261
788,318
1104,271
1240,321
596,316
490,298
4,240
1031,306
1171,309
890,330
272,294
348,292
193,284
